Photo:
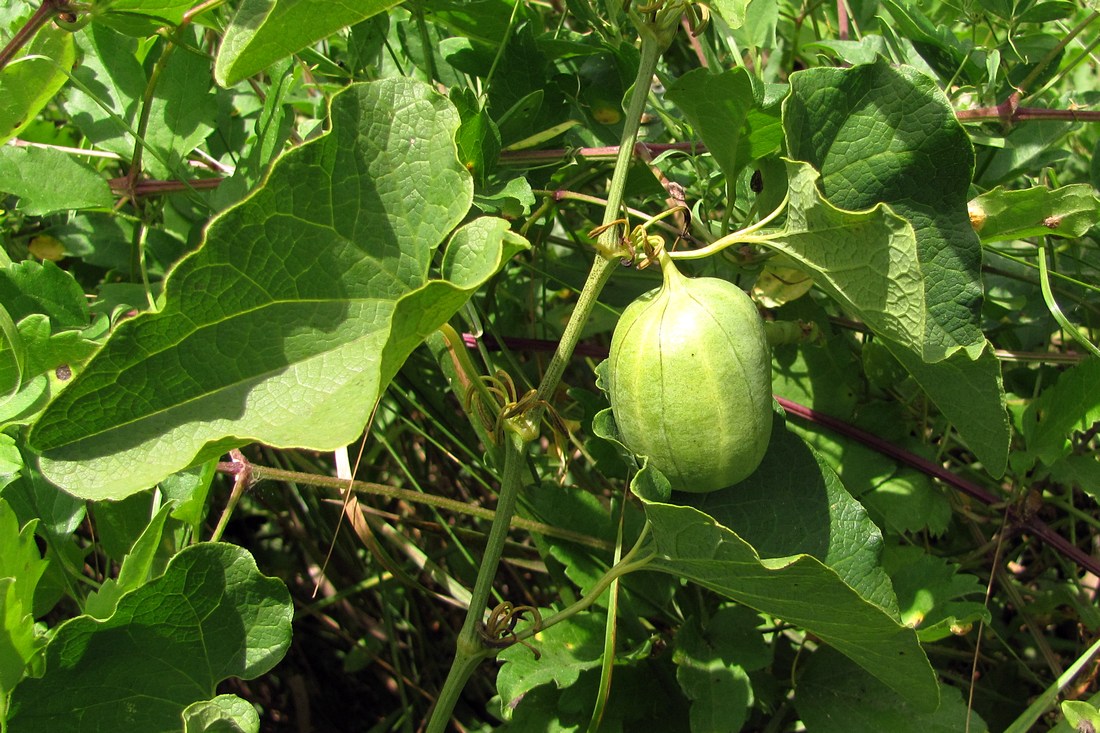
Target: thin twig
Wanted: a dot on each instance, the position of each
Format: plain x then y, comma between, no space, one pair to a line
260,473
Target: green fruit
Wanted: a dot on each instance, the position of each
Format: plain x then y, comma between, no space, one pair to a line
689,378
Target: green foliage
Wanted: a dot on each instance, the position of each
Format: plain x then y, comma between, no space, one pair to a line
33,77
211,615
265,31
320,332
229,228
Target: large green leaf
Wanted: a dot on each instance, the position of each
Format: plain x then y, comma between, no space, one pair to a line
301,306
264,31
880,134
808,556
211,616
800,590
794,504
867,260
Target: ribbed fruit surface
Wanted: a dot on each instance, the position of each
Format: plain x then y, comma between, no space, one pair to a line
690,381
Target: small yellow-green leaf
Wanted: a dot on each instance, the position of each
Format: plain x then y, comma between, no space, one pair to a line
32,78
264,31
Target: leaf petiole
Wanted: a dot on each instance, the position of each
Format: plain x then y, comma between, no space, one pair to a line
741,236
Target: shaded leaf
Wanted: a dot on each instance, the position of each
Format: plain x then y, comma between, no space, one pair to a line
211,616
909,501
137,568
935,43
724,110
302,305
970,393
794,504
836,696
182,113
33,497
108,86
1071,405
1026,149
713,660
797,588
1080,471
28,287
142,17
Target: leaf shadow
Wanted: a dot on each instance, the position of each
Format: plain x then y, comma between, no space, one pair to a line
784,508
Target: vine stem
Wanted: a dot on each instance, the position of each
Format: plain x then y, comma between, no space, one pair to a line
469,649
634,560
608,245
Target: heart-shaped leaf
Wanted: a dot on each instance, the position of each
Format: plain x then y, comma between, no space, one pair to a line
305,300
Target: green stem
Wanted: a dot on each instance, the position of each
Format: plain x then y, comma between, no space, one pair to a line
465,663
610,635
632,561
741,236
608,244
469,651
137,246
261,473
241,480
